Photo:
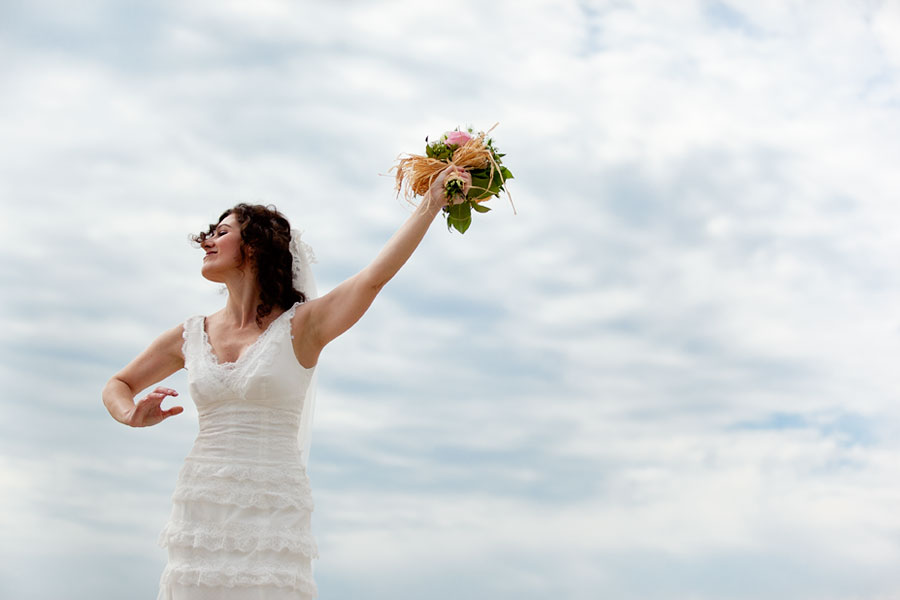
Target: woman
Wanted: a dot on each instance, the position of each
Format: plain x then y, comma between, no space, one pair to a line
240,519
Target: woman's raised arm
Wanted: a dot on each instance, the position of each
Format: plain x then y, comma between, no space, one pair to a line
161,358
335,312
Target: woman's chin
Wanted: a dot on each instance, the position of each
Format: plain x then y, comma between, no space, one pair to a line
212,275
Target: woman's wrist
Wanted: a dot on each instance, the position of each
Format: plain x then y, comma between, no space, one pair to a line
118,402
430,206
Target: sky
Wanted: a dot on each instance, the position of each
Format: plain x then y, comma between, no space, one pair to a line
670,373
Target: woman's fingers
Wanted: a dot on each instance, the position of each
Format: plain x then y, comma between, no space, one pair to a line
148,410
160,394
467,179
175,410
157,396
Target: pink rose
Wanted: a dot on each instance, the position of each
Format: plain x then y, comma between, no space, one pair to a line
458,138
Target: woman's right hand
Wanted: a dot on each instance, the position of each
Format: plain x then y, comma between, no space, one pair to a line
148,410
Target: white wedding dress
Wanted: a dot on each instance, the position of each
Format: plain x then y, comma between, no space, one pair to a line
240,522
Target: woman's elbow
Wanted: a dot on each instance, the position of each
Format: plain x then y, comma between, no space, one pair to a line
370,282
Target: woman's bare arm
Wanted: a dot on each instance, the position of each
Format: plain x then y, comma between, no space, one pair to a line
334,313
161,358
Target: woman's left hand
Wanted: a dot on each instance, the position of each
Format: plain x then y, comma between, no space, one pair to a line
437,195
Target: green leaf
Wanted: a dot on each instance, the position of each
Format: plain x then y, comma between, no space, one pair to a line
460,216
480,208
438,150
462,226
482,187
460,211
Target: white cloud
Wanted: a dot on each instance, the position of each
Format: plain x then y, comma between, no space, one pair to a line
675,362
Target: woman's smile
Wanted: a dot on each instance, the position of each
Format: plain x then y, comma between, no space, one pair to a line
225,240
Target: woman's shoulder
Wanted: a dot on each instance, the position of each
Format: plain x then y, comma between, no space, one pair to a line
171,341
215,316
197,325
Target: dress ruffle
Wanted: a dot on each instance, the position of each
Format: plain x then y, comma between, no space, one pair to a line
240,537
220,493
231,578
286,473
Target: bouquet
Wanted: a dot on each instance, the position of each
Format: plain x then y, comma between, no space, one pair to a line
474,153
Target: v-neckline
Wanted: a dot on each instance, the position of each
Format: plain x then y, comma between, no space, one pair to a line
246,351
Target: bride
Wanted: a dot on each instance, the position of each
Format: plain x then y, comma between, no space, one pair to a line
240,521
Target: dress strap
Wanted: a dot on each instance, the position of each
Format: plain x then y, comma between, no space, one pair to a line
193,340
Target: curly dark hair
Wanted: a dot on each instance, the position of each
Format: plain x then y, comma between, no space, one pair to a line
266,233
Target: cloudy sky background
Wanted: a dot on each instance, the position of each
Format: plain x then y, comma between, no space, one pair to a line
671,375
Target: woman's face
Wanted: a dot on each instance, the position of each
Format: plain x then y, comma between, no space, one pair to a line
223,250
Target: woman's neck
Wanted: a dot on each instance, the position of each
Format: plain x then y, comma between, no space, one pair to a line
243,298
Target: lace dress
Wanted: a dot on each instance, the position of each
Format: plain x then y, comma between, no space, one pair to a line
240,522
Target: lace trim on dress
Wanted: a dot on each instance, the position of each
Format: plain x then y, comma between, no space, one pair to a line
221,492
248,352
242,537
239,578
285,485
289,474
231,374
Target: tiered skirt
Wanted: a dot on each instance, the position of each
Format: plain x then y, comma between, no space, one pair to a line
239,532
